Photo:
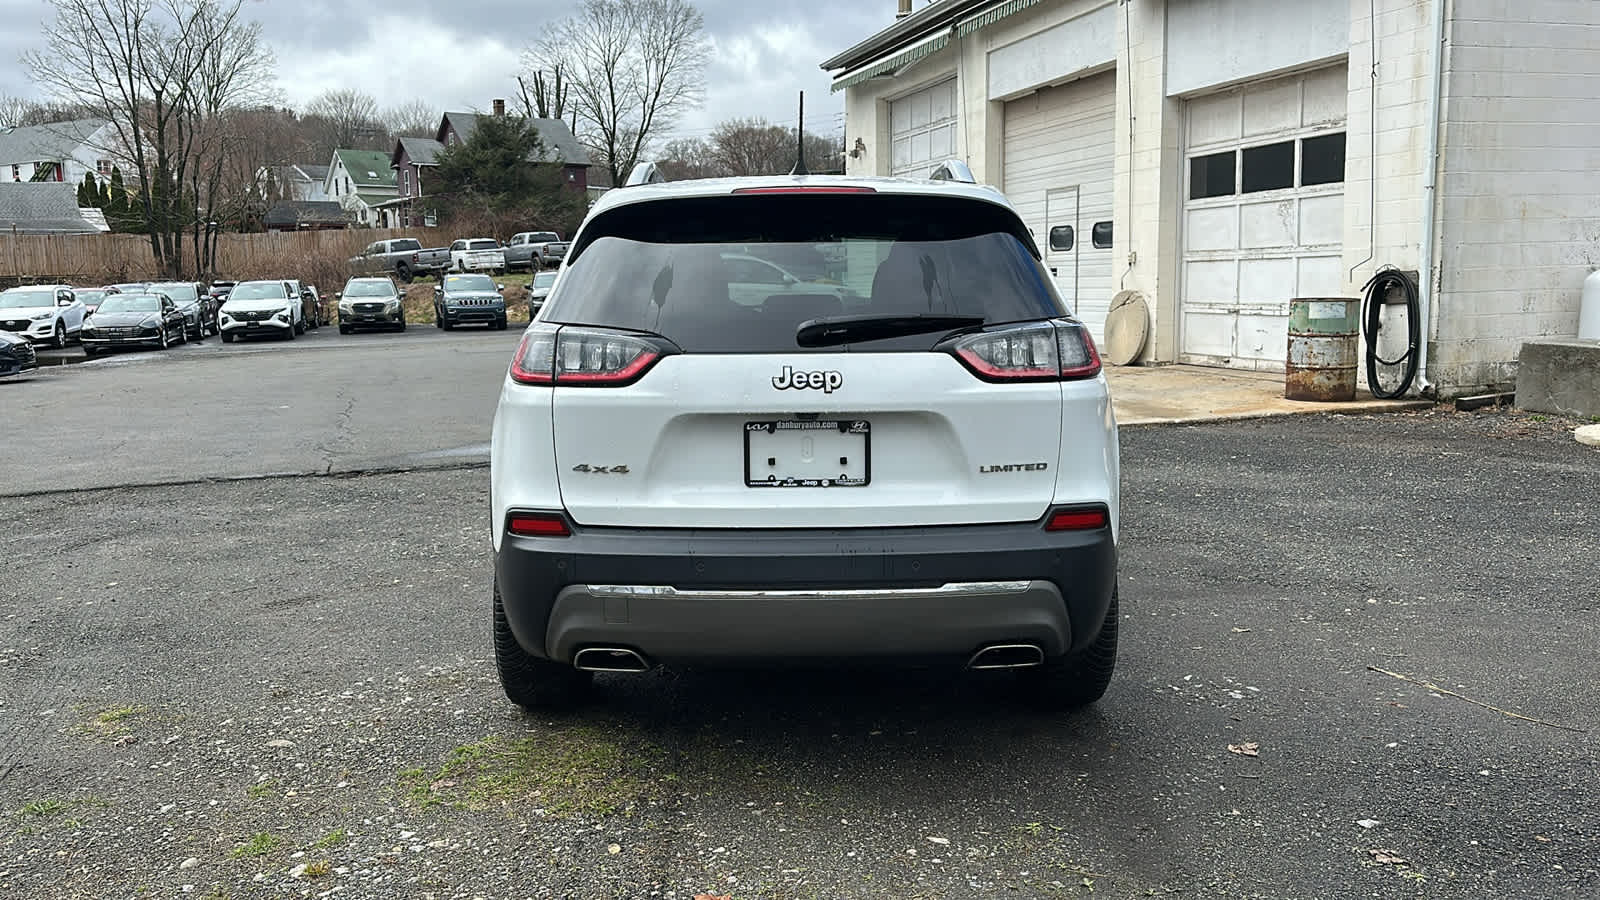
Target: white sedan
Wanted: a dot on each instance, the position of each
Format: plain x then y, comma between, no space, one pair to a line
42,313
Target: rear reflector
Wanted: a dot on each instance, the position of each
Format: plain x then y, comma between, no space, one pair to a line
538,525
1077,520
808,189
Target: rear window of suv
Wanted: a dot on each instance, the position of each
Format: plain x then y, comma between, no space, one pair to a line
740,274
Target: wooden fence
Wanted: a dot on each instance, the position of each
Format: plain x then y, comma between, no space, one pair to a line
104,258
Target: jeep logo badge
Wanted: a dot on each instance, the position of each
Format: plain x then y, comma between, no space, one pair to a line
790,380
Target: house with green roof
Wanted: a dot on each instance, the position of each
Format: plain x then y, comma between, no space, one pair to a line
360,181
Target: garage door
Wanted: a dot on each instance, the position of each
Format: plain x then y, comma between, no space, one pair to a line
924,129
1263,215
1059,163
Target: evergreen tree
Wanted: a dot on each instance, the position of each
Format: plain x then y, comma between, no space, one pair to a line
102,196
117,204
87,191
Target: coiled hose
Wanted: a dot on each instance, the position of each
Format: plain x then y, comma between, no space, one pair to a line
1377,292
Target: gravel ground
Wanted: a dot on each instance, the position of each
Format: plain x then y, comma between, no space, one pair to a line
283,688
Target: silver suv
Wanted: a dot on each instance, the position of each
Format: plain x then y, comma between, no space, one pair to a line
805,419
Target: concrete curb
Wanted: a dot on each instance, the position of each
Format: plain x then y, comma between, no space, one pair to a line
1339,409
1588,435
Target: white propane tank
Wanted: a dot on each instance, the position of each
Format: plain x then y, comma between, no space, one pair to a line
1589,312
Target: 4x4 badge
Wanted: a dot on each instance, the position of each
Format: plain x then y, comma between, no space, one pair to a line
790,380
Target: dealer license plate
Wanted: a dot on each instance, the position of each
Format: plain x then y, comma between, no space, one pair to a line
808,453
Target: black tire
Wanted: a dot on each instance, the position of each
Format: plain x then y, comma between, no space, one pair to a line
199,333
227,337
59,340
344,329
164,341
298,327
403,272
530,682
438,320
500,325
1070,682
89,350
401,325
289,333
183,334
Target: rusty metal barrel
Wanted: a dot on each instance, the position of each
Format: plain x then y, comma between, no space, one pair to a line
1323,349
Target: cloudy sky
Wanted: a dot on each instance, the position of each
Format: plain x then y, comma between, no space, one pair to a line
462,55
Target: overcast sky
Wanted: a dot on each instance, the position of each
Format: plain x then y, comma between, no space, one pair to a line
462,55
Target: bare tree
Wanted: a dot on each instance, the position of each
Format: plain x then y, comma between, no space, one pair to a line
136,63
548,98
351,119
689,158
413,118
747,147
633,66
20,112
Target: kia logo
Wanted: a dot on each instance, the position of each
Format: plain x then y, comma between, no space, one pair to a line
790,380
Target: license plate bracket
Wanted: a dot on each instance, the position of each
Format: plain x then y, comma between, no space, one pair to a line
793,453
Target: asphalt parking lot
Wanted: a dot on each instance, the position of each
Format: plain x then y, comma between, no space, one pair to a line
283,687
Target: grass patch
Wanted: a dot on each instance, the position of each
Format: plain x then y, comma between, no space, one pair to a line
567,773
319,869
332,839
44,808
112,722
260,844
261,789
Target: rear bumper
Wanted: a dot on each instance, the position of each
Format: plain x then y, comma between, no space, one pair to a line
683,596
121,341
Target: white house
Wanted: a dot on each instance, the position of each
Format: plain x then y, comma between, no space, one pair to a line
59,151
1221,157
361,181
297,182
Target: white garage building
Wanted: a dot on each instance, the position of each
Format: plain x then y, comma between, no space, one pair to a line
1217,157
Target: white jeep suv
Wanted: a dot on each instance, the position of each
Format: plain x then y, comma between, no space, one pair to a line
917,462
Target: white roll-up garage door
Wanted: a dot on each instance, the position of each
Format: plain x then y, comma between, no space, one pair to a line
1263,214
923,128
1059,165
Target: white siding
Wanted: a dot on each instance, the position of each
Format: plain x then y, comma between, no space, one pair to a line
1059,161
1220,42
1519,218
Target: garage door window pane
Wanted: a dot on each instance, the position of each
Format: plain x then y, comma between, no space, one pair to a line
1211,176
1268,168
1100,236
1322,159
1061,238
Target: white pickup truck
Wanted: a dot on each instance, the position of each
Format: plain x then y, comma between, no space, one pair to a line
477,255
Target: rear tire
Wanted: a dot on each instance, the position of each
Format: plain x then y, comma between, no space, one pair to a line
227,337
1070,682
530,682
403,272
59,341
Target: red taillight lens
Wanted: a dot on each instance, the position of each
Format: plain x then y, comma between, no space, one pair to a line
808,189
583,357
538,525
1077,519
1038,351
1079,358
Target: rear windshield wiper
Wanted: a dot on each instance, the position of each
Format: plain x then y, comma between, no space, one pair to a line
831,331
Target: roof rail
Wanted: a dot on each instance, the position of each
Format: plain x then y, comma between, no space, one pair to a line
644,173
953,170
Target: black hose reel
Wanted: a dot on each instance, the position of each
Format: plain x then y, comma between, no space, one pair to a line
1391,287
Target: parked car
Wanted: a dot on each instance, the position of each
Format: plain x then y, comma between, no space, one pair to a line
219,291
468,299
310,304
539,290
525,250
42,313
370,303
148,319
404,258
262,307
91,297
553,253
16,354
874,475
477,255
131,287
194,301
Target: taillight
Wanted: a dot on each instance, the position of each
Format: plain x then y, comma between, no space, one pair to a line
1078,519
1037,351
530,524
583,357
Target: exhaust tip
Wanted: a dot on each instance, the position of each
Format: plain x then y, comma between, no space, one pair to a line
1007,656
609,659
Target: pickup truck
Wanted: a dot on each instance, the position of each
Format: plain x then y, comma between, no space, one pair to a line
477,255
528,249
404,258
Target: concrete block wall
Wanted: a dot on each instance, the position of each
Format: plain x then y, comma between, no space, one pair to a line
1520,191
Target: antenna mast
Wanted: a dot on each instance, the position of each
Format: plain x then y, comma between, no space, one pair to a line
800,141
